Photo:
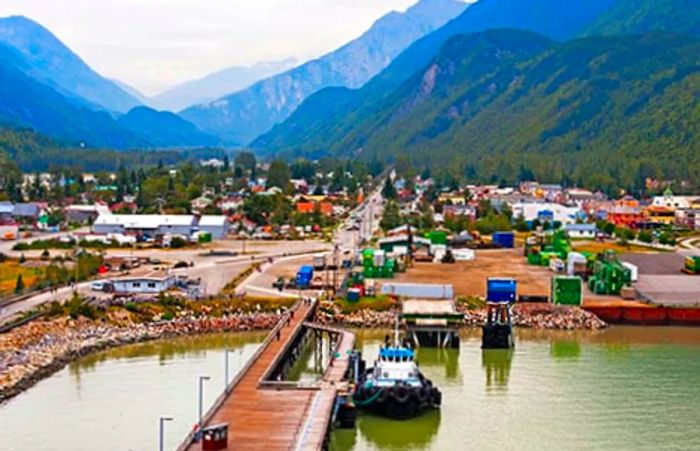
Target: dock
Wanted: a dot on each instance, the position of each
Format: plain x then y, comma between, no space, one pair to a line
264,412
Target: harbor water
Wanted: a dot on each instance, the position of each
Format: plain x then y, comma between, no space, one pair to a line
624,388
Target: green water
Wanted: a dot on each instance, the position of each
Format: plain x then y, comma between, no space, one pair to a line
112,400
621,389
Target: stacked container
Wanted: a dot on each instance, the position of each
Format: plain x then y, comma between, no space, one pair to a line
566,290
501,290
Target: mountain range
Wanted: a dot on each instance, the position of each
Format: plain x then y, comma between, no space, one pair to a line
48,60
244,115
47,87
217,85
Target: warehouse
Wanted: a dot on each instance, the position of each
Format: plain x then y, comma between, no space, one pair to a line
149,225
216,226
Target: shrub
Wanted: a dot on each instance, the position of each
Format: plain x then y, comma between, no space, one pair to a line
167,316
132,307
21,247
178,242
645,237
19,285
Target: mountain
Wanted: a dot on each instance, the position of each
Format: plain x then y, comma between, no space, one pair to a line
164,129
308,129
133,92
26,102
244,115
605,112
218,84
48,60
640,16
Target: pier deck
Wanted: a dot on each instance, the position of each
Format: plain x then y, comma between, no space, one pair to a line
279,416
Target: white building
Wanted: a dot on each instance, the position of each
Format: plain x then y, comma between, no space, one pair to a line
143,285
151,225
546,211
581,231
216,226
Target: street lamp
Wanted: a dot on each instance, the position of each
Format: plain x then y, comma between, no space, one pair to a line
226,359
201,398
161,432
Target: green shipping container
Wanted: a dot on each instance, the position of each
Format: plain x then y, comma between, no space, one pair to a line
534,259
692,265
437,237
567,290
370,272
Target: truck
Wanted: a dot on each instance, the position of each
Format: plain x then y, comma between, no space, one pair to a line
304,276
319,261
692,265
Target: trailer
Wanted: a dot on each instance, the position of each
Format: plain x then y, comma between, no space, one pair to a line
418,290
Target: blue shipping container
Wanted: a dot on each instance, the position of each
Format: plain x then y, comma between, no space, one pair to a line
304,276
501,290
505,239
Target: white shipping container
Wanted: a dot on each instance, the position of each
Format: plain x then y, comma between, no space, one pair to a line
463,254
634,270
557,265
379,258
572,260
419,290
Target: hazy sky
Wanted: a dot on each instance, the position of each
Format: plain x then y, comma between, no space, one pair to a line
155,44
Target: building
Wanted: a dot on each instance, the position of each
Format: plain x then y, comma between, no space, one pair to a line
143,285
581,231
149,225
85,213
216,226
464,210
546,212
625,216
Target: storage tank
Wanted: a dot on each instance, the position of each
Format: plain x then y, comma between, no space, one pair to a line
501,290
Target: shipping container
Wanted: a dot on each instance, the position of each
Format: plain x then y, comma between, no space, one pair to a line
572,260
419,291
379,258
567,290
634,271
354,295
501,290
437,237
505,240
320,261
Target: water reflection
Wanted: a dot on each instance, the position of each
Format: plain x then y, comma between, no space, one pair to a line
437,358
388,434
497,364
565,349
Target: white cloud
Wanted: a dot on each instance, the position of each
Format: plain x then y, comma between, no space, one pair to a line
155,44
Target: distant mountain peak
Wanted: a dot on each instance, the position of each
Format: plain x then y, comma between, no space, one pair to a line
240,117
50,61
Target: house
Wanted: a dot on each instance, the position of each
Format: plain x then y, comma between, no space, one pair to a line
143,285
309,207
689,218
200,203
6,210
670,202
464,210
150,225
625,216
581,231
216,226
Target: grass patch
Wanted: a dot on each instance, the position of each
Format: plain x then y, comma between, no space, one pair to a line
471,302
11,269
380,303
597,247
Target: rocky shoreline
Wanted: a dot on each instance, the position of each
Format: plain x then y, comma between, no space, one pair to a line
39,349
530,316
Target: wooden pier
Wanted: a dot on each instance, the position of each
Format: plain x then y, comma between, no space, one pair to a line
263,413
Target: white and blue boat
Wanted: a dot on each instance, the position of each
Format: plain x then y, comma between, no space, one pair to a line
394,386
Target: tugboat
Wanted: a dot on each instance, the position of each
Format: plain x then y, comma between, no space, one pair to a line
394,386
